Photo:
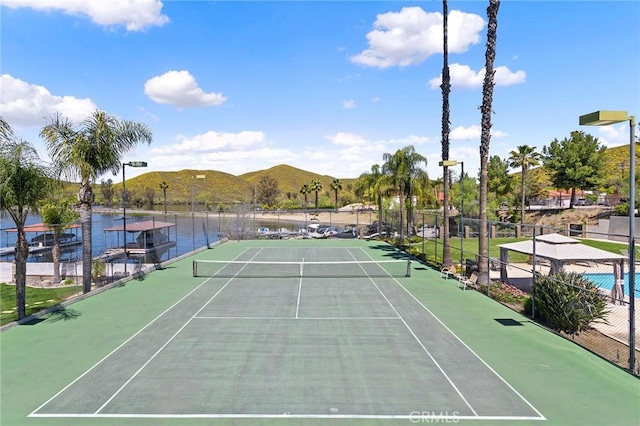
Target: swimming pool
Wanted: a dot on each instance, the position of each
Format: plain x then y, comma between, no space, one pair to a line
605,281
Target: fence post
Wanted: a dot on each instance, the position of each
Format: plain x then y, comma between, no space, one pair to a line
533,281
489,259
424,256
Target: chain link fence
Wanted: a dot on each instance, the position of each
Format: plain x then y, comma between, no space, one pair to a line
519,256
529,267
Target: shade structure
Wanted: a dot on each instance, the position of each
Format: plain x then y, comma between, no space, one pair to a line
559,248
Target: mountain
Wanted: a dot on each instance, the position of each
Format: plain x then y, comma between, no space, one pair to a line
219,187
290,179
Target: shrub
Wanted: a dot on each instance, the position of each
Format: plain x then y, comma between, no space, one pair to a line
506,293
98,271
568,302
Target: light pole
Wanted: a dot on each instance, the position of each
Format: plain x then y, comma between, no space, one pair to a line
450,163
193,221
606,118
124,208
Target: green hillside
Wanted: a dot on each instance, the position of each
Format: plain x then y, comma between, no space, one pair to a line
216,187
219,187
289,178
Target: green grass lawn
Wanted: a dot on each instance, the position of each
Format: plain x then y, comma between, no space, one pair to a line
470,245
37,299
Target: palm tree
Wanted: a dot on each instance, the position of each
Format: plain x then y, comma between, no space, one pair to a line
336,186
305,190
424,190
316,186
164,186
24,182
485,137
375,181
95,148
446,89
524,157
58,216
401,168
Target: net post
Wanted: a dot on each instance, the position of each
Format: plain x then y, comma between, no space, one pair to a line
408,267
195,269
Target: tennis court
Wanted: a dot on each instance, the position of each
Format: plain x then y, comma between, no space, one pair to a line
284,331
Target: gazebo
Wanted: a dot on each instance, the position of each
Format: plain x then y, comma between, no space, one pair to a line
560,250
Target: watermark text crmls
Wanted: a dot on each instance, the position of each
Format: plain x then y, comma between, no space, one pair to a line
434,417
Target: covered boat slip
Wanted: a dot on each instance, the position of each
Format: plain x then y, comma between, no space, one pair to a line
152,241
43,240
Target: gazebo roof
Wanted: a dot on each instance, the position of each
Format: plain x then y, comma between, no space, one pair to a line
561,248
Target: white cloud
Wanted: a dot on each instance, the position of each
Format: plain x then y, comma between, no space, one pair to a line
344,155
22,103
179,88
349,104
412,35
213,142
473,132
233,161
347,139
615,135
410,140
135,15
376,99
463,77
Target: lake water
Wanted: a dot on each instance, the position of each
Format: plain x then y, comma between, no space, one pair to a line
189,232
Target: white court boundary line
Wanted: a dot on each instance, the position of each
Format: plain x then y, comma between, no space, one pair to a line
469,349
169,341
34,412
424,348
413,417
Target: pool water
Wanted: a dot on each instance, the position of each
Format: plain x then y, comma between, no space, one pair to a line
605,281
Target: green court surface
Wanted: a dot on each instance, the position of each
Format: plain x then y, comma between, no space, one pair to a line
345,342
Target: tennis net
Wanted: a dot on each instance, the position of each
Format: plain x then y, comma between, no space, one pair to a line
274,269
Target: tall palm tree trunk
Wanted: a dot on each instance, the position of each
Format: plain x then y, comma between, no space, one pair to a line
86,198
164,193
485,138
401,202
522,194
55,253
22,252
446,89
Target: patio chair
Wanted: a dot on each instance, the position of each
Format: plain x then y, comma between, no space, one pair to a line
448,272
494,264
471,281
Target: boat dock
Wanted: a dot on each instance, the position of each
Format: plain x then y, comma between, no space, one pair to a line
35,250
136,252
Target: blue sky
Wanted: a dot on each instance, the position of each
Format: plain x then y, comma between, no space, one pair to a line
323,86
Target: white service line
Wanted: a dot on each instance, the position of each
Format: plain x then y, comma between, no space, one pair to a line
468,348
172,337
299,290
420,342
